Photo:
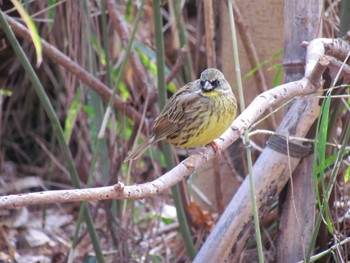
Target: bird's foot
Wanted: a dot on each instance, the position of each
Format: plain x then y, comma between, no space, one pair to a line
216,147
205,153
204,150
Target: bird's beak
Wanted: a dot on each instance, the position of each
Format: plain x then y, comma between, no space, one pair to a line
207,86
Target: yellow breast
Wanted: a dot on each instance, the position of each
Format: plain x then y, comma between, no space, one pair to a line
213,117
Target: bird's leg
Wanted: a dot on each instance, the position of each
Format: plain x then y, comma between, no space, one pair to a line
216,147
204,151
217,150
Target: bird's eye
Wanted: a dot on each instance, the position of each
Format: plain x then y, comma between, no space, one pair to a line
215,83
202,83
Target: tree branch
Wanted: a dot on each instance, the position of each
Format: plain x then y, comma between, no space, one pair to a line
272,169
265,100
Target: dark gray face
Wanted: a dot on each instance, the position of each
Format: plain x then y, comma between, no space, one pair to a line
211,79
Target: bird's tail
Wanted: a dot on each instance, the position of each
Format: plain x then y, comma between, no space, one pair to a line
139,150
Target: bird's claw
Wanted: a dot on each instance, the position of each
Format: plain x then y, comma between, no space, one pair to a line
216,147
204,151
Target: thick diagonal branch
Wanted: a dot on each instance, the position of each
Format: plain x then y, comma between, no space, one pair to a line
305,86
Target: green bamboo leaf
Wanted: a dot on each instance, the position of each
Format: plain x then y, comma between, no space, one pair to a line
279,74
330,161
340,156
262,64
347,174
32,29
147,57
5,92
51,11
98,49
128,10
72,117
321,156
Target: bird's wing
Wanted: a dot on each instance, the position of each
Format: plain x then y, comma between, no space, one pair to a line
173,116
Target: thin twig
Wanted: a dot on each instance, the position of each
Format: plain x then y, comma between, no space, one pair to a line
251,52
209,33
178,64
120,25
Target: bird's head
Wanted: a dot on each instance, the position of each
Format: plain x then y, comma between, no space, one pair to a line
211,79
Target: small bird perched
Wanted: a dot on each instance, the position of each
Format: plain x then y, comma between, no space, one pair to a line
195,115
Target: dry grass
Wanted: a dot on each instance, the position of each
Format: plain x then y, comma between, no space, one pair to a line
30,160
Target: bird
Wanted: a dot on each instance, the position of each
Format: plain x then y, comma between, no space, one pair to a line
195,115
